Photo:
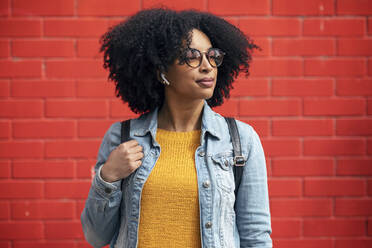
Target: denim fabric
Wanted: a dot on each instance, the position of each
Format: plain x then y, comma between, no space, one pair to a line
105,220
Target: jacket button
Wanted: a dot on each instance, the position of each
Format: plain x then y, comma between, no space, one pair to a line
108,190
201,154
208,224
206,184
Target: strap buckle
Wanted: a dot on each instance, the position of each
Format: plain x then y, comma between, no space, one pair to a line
239,161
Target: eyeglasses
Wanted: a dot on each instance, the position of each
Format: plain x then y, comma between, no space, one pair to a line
193,57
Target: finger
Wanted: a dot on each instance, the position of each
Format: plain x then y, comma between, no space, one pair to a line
136,156
135,149
130,143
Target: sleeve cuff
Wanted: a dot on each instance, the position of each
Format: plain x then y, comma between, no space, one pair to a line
104,186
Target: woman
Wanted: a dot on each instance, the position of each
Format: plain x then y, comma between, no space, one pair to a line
172,184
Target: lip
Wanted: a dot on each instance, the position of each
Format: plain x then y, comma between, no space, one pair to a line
206,82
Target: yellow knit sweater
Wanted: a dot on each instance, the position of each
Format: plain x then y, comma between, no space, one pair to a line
169,215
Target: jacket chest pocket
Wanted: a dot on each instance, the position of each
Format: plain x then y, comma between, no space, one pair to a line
223,163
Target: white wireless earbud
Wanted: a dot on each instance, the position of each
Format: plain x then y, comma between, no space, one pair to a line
165,81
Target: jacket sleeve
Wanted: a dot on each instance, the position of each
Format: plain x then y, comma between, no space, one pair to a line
100,217
252,203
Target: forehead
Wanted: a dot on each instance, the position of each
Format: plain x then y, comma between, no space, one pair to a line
200,40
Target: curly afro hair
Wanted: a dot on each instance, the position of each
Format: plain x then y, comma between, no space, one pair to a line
136,50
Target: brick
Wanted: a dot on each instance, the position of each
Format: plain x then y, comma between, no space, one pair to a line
353,207
369,26
4,49
301,207
46,244
270,26
85,168
88,48
281,147
354,47
370,227
43,8
44,129
369,147
229,108
284,187
67,189
265,47
72,149
251,87
76,108
5,244
43,169
4,129
303,47
260,126
93,128
354,167
107,8
21,190
20,69
334,227
334,27
240,7
353,127
354,87
354,7
276,67
5,11
4,210
360,243
21,109
95,88
43,88
43,48
334,147
20,28
303,243
263,107
5,169
176,5
303,7
43,210
21,230
302,167
21,149
334,67
79,207
120,110
334,107
302,87
369,107
87,28
302,127
4,88
286,228
334,187
75,69
63,230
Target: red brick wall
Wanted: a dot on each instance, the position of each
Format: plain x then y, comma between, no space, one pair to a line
309,98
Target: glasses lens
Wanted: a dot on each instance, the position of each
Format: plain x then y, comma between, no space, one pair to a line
193,57
215,57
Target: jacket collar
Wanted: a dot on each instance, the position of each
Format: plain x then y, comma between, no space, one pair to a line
148,123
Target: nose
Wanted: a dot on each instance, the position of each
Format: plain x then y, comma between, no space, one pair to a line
205,66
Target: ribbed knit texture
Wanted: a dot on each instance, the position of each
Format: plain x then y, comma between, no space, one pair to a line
169,204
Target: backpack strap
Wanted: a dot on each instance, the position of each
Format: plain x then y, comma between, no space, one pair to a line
125,129
239,160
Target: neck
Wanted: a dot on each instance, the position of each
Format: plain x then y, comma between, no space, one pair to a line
180,116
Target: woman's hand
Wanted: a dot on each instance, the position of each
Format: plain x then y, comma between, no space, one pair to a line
122,161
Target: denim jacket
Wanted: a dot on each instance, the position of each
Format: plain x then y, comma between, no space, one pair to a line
111,215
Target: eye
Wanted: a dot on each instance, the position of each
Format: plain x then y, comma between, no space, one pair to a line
214,53
192,54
